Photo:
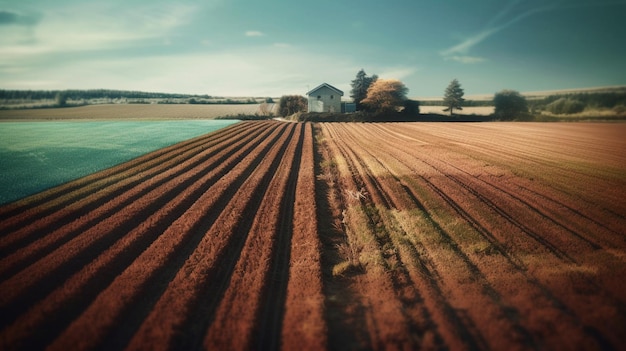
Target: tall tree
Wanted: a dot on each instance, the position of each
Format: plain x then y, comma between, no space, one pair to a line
359,87
386,95
453,98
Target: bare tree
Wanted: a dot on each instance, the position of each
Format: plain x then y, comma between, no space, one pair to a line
264,109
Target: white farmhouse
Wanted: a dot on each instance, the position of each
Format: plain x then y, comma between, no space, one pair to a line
325,98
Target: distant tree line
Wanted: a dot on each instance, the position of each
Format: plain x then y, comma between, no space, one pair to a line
90,94
577,102
195,101
600,99
466,103
65,98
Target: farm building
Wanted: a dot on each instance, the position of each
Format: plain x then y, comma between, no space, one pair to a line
325,98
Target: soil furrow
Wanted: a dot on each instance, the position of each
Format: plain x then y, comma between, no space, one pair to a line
468,184
401,188
525,229
270,320
345,313
557,175
384,251
383,227
303,322
443,192
254,292
132,319
188,300
563,178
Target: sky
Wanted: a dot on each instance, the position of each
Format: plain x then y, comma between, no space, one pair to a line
278,47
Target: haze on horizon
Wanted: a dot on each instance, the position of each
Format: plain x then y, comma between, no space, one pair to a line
251,48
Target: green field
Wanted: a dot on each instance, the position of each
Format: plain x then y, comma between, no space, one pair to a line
35,156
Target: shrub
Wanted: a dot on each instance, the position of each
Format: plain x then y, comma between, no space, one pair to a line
290,104
61,99
509,105
565,106
619,109
411,107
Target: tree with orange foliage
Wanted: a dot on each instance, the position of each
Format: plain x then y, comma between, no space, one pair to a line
385,95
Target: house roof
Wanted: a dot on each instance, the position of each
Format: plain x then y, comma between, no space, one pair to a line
327,86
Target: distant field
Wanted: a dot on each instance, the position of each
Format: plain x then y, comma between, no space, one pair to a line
132,111
482,110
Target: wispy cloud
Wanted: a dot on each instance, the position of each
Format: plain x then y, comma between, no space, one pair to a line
254,33
465,59
501,21
507,17
465,46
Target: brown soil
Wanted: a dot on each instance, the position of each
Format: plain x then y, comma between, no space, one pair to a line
268,235
130,112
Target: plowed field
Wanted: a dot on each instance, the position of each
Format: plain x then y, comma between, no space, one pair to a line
271,235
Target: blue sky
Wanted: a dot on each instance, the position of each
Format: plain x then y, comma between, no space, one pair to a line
271,48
